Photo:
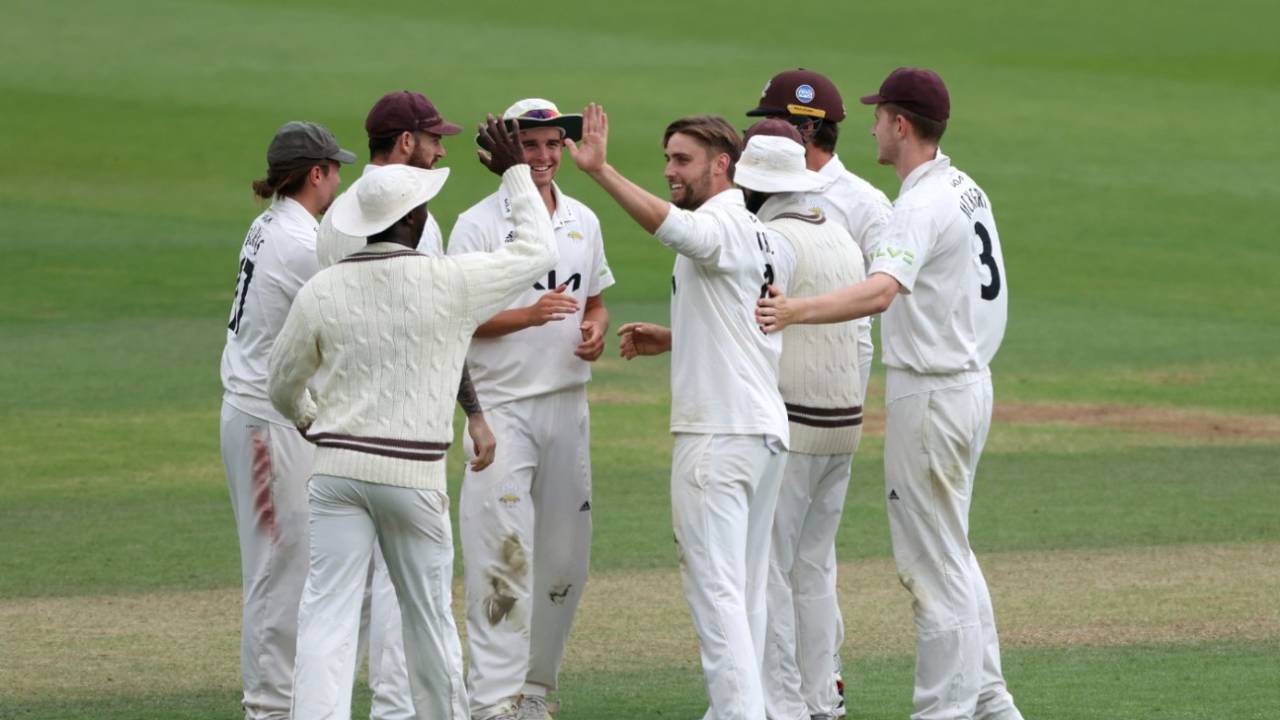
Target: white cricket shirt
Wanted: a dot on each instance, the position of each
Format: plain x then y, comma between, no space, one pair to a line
941,244
724,370
536,360
277,258
855,204
332,246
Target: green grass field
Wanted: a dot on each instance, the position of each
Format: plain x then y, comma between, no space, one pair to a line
1128,506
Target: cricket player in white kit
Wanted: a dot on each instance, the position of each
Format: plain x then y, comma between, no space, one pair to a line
811,102
939,278
267,461
821,387
526,520
389,328
727,416
404,128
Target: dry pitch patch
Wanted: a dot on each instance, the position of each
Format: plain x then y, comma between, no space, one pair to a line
183,641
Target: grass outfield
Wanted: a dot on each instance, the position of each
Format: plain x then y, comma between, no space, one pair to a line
1126,509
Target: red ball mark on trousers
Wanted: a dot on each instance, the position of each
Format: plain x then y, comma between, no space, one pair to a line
264,509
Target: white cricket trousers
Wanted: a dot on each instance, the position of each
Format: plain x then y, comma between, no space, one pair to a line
526,546
412,528
802,636
723,492
267,469
935,429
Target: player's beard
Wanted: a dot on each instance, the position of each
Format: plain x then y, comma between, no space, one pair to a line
695,193
419,158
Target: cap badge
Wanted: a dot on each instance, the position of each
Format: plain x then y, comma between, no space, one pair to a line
805,93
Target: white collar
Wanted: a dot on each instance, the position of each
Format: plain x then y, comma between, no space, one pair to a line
941,161
292,209
562,215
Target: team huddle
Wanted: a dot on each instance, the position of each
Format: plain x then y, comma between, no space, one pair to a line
352,336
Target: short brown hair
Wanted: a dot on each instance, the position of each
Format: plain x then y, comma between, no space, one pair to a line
926,129
712,132
287,181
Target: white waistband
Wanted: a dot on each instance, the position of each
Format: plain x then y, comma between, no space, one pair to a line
899,383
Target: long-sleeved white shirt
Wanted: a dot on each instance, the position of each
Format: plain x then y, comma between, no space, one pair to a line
724,370
389,328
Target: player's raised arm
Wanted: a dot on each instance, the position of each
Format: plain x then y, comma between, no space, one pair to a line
869,297
591,157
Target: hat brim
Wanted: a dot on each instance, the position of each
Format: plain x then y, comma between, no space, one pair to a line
350,218
570,124
444,127
760,180
762,111
345,157
876,99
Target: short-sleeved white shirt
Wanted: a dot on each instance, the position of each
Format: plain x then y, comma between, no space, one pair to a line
724,370
332,246
536,360
278,256
942,246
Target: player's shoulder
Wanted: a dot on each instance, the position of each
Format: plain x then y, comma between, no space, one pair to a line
487,209
579,210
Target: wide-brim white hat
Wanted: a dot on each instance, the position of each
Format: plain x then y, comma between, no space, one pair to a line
775,164
382,196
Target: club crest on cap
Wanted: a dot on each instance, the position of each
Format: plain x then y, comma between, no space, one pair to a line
804,93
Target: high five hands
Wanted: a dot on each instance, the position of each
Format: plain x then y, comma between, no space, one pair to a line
590,153
500,147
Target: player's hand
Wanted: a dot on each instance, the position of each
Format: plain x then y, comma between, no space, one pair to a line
553,305
500,147
642,338
777,311
486,445
592,345
591,154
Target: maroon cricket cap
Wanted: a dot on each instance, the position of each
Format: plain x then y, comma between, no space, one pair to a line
916,89
773,126
803,93
405,111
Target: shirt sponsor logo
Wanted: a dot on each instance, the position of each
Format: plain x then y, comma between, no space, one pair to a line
805,93
905,256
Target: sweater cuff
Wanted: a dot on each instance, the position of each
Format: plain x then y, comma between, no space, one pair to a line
518,179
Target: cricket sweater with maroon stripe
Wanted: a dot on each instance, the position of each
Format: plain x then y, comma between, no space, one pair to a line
818,373
390,327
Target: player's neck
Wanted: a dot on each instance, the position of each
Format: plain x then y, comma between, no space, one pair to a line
309,200
913,156
815,158
548,198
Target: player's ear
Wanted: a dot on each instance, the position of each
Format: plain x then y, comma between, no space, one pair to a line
407,141
721,164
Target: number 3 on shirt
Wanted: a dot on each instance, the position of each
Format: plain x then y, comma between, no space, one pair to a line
992,290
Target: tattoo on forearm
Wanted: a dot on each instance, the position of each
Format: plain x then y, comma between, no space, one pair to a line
467,395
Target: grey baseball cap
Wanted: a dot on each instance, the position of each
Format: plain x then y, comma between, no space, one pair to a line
296,142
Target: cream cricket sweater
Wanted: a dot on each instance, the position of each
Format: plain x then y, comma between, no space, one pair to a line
818,373
390,328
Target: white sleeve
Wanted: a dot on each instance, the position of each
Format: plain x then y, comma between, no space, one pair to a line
601,274
494,279
697,236
295,357
905,245
876,217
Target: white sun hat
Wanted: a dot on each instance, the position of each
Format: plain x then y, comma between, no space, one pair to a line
775,164
382,196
